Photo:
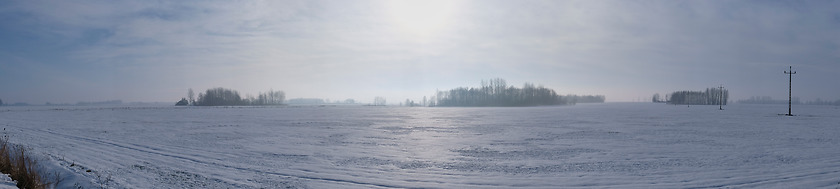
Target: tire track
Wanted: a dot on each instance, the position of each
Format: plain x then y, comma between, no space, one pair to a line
161,152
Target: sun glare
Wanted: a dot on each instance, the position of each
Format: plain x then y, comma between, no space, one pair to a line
422,18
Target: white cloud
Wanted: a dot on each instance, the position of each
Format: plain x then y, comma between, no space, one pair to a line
341,46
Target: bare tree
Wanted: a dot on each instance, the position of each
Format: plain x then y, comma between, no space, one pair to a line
379,101
191,96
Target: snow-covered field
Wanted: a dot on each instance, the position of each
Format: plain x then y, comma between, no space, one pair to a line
611,145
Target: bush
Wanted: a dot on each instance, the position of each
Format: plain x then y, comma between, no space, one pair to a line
21,167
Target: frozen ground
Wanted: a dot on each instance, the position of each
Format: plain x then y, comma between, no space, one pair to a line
612,145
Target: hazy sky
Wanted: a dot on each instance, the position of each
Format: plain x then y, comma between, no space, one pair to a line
69,51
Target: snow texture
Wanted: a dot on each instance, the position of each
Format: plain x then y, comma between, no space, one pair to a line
6,182
611,145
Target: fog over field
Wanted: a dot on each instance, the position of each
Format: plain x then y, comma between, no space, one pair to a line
622,145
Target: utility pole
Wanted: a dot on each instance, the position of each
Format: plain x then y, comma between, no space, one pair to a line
721,96
790,88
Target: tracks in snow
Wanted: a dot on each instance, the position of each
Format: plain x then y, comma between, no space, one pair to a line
203,161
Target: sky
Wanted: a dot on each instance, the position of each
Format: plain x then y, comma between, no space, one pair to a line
153,51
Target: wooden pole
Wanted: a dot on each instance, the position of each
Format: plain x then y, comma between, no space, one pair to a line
790,88
721,97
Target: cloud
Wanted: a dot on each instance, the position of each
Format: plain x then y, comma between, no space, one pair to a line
350,48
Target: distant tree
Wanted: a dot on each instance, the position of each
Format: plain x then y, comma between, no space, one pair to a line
271,98
379,101
711,96
220,97
656,98
182,102
1,102
191,96
410,103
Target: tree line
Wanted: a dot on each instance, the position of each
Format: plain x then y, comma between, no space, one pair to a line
712,96
768,100
496,92
819,101
228,97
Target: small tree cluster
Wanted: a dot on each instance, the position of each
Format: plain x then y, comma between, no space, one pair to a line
496,92
657,99
227,97
379,101
712,96
269,98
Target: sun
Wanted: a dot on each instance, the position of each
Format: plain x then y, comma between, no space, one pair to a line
422,18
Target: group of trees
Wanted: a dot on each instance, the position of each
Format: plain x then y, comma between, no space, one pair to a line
426,102
819,101
378,101
228,97
712,96
496,92
658,99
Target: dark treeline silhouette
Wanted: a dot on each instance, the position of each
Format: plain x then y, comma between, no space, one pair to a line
1,102
496,92
767,100
219,97
712,96
227,97
182,102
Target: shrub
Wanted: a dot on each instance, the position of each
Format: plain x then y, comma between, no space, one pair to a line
16,161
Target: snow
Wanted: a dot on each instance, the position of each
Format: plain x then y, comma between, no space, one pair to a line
6,182
610,145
